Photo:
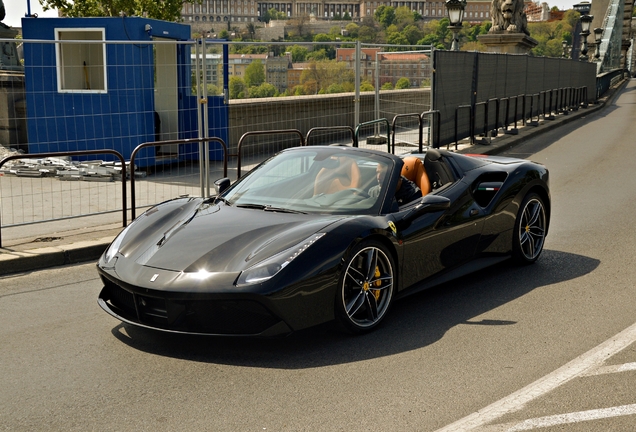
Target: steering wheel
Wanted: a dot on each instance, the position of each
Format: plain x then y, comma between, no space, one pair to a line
360,192
349,194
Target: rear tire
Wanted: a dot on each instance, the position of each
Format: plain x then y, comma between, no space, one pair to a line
530,230
366,287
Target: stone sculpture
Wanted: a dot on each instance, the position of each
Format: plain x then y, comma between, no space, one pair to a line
508,17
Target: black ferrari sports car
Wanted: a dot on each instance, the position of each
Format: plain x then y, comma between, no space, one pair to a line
315,234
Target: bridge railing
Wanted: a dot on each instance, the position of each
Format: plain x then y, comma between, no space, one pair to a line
509,110
606,80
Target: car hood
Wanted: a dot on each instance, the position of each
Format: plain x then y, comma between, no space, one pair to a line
191,236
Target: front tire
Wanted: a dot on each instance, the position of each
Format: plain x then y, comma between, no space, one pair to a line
530,230
366,287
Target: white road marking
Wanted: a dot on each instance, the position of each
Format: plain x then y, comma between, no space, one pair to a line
612,369
517,400
575,417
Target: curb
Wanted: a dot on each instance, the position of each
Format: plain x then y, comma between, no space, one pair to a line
12,261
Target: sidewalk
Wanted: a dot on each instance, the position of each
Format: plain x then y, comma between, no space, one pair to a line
34,250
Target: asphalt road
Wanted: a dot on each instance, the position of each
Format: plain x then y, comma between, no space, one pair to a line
441,355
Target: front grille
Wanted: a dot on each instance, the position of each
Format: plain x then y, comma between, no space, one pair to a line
119,297
231,317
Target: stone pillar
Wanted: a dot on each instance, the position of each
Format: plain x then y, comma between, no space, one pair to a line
508,43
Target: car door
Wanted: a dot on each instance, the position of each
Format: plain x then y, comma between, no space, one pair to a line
439,241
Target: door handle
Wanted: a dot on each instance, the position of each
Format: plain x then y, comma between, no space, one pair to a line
474,212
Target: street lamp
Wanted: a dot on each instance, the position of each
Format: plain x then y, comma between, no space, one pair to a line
455,10
564,43
586,22
598,33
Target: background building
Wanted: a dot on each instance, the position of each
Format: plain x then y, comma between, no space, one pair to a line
219,14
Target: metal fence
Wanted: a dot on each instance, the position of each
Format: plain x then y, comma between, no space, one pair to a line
158,102
476,93
169,94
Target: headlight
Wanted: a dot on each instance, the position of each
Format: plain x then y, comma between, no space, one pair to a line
268,268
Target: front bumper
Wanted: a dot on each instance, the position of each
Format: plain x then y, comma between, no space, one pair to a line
179,312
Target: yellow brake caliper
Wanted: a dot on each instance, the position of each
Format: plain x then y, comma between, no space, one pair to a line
378,283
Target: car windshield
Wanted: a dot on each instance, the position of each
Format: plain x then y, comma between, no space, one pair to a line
315,180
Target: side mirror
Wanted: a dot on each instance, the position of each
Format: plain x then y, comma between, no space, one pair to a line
427,204
221,185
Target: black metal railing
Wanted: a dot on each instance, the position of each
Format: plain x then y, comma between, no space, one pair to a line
239,147
334,129
133,197
77,153
527,108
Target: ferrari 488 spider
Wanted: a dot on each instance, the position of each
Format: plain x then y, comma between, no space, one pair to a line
316,234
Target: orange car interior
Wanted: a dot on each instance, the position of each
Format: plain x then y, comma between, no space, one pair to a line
413,170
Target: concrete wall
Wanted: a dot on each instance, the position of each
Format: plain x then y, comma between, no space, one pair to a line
307,112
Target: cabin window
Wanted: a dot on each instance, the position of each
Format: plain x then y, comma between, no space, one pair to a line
81,64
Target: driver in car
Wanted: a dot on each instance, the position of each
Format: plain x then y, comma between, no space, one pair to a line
406,191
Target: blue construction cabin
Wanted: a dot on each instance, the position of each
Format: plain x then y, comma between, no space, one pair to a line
87,96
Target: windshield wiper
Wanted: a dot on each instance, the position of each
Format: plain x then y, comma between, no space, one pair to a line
282,210
252,206
270,208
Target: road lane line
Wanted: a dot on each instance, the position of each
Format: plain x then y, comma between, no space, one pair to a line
625,367
575,417
517,400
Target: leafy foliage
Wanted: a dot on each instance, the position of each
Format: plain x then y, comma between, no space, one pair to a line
168,10
254,74
403,83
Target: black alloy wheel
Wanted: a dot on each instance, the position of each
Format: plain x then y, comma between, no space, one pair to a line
366,287
530,230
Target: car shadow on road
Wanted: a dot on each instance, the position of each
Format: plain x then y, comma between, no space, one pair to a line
418,321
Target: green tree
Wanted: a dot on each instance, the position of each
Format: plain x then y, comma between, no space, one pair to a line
317,55
397,38
368,32
254,74
387,86
404,17
330,50
403,83
412,33
352,29
237,88
299,53
550,36
262,91
366,86
322,74
168,10
571,17
335,88
251,30
385,15
275,15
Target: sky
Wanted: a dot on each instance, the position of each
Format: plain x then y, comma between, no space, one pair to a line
16,9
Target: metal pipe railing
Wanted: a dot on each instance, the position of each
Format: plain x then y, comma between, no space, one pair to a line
77,153
238,154
133,196
331,129
435,134
420,129
373,122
